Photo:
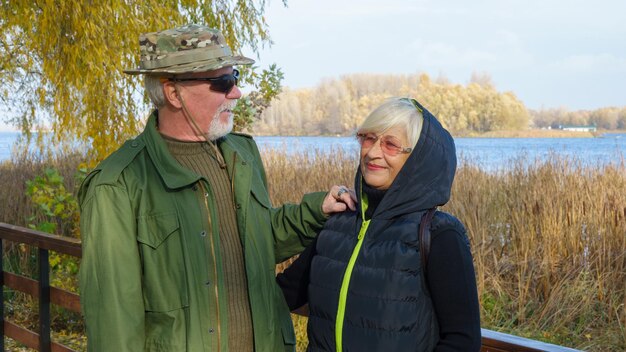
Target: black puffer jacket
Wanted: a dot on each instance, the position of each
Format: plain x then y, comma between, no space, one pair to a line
373,280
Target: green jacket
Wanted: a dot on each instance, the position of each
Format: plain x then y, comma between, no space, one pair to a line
151,274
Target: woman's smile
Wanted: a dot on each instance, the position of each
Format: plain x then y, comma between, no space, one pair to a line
374,167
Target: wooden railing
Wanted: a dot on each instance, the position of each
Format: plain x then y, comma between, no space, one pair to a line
40,289
491,341
494,341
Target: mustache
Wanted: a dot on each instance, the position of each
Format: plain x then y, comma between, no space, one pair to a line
227,106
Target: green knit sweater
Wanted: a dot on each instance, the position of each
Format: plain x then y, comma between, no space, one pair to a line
201,158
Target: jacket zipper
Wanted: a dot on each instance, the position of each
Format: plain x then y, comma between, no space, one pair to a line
217,301
345,283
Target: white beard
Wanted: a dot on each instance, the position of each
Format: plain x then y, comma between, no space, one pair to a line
217,128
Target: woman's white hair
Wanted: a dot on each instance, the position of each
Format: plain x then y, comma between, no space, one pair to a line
154,88
395,112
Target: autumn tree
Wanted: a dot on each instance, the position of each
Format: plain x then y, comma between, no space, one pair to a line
339,105
61,61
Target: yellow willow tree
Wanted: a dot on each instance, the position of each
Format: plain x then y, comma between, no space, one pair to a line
61,61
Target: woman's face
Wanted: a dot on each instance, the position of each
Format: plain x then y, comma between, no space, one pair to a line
378,165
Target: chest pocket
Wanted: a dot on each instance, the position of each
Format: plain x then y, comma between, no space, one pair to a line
259,192
164,276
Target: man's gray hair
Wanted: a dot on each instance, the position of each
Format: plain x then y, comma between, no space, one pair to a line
154,88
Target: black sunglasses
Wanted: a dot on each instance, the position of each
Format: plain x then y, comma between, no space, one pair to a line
222,84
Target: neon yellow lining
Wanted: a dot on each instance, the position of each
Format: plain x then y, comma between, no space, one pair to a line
343,293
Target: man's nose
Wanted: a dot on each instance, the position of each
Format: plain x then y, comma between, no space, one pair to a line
234,93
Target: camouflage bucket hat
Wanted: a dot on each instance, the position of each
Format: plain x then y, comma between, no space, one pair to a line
187,49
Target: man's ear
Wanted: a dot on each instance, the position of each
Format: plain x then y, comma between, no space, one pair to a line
171,94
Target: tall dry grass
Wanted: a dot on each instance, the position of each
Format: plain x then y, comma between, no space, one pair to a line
548,238
549,244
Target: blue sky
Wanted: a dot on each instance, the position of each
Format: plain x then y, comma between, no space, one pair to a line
550,53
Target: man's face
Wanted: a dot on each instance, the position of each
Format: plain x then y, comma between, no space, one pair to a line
212,110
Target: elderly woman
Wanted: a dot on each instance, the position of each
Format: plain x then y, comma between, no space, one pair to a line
364,280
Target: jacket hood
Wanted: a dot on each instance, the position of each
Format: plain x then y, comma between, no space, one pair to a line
425,180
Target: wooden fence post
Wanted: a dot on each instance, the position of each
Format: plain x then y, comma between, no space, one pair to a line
44,301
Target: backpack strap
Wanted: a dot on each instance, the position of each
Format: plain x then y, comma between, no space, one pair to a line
424,236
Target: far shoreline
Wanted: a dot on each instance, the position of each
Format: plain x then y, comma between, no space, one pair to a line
530,133
533,133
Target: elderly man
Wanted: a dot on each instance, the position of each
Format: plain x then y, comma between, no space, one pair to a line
180,240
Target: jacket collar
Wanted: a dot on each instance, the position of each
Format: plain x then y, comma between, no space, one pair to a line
231,152
171,172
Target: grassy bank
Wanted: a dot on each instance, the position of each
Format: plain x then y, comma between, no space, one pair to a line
549,239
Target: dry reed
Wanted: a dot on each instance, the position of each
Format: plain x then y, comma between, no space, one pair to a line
549,243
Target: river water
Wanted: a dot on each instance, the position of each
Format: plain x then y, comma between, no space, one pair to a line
487,153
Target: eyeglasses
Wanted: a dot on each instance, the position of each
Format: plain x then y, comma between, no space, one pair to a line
390,145
222,84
